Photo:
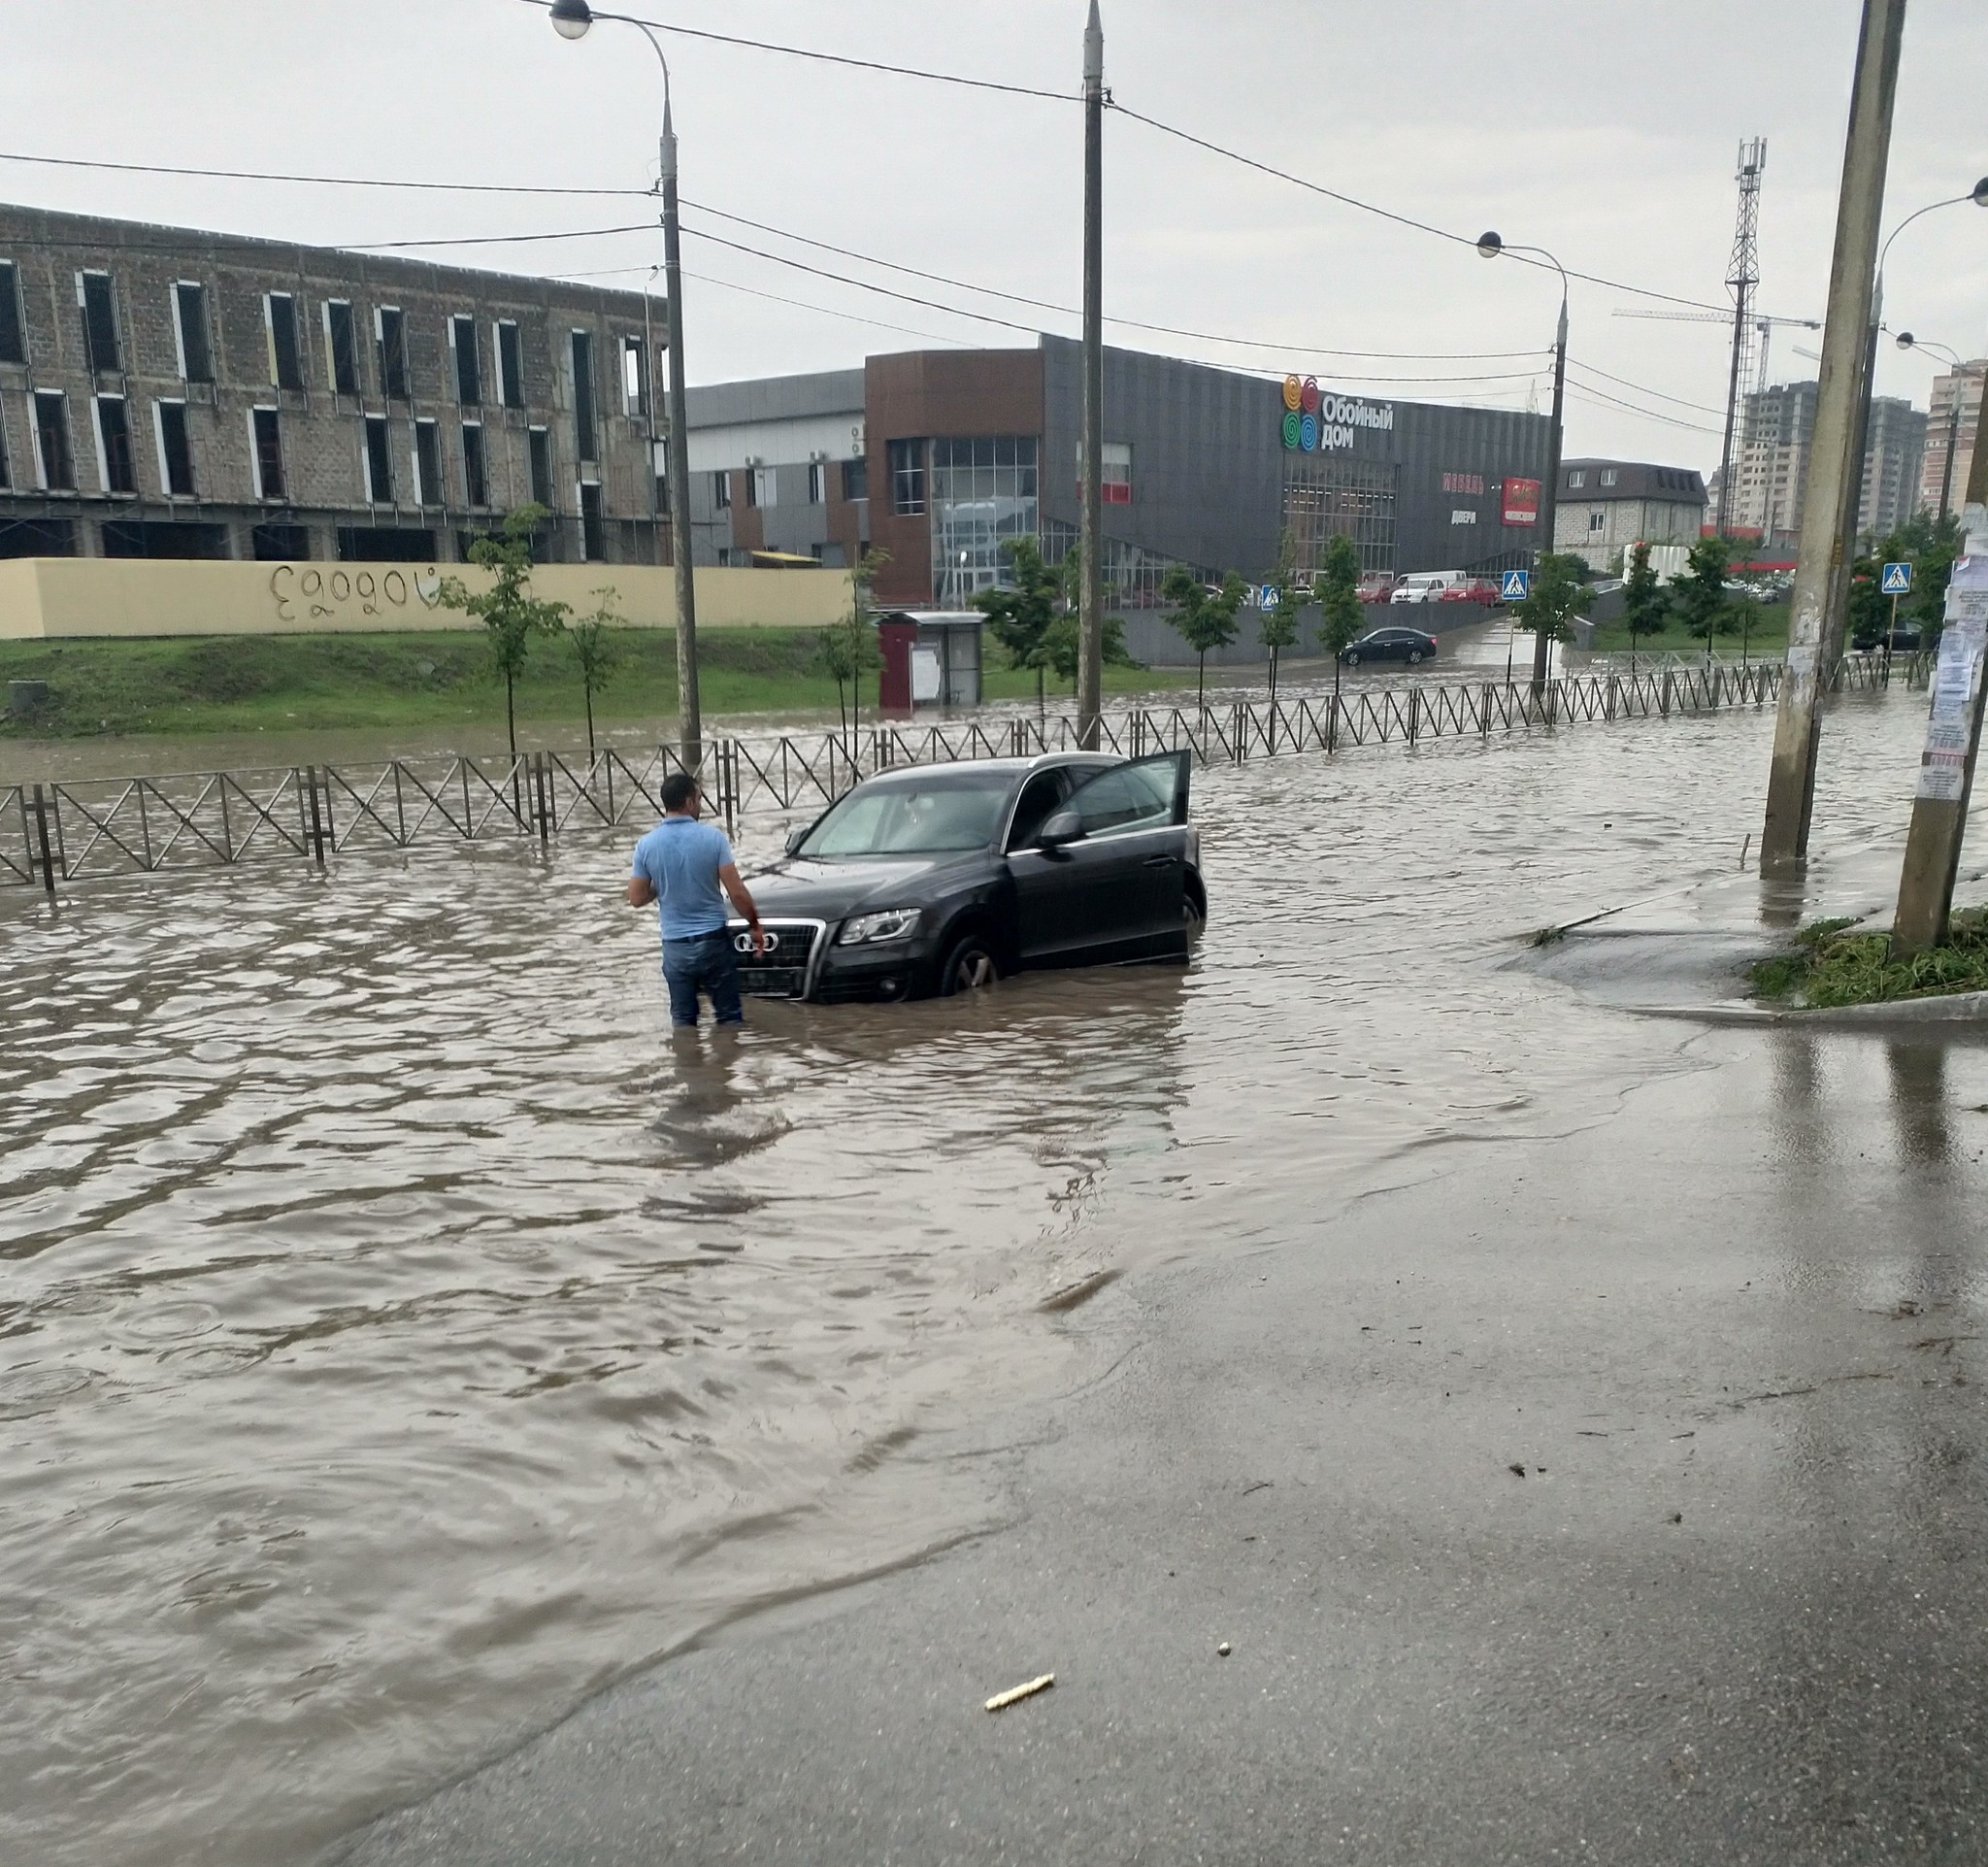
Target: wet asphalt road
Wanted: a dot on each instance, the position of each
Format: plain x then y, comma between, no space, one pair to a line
1616,1495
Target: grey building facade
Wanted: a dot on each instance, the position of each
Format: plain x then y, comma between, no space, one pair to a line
1607,507
166,392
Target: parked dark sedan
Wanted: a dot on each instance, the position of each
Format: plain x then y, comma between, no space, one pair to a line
943,879
1390,645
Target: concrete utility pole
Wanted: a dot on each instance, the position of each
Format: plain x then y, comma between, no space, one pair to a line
1953,738
1090,651
1814,643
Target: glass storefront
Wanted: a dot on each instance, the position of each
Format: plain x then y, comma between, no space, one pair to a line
982,494
1349,498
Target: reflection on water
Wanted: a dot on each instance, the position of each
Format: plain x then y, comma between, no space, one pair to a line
403,1333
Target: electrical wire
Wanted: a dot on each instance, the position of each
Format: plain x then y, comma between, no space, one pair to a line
315,180
1582,392
841,58
1644,388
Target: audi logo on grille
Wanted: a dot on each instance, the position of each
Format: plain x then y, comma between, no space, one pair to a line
743,941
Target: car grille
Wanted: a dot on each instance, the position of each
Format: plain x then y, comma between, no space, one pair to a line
783,971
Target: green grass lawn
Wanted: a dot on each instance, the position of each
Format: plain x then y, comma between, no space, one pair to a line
296,682
1832,964
1770,634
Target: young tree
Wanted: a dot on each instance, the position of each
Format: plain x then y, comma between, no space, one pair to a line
1702,589
845,649
596,650
508,610
1645,602
1280,627
1556,597
1206,617
1021,614
1337,589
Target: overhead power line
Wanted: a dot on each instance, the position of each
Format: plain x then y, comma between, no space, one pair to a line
1644,388
315,180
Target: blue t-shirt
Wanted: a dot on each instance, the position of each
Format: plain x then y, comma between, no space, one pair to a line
681,859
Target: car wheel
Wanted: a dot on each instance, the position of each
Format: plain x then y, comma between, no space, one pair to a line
1352,659
1194,910
1415,656
969,967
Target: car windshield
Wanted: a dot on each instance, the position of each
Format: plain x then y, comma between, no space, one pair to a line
927,816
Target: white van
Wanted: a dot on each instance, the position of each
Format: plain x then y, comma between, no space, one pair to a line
1427,587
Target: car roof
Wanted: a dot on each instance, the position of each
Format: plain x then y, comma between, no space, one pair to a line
1010,768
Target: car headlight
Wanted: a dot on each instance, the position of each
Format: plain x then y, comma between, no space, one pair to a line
893,923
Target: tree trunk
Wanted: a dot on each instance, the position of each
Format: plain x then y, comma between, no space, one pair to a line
511,710
1042,695
1201,692
590,722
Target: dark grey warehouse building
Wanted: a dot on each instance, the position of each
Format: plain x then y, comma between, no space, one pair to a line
939,457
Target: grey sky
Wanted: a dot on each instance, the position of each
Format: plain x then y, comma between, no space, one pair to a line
1604,130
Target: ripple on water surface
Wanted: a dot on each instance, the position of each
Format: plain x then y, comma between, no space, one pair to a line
401,1336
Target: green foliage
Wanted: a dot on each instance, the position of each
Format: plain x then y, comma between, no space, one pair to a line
1645,602
1929,546
1340,614
1279,625
595,649
1830,965
1701,592
1021,613
847,648
1205,618
1557,595
511,616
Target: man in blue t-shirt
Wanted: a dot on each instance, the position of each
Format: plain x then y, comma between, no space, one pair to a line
686,868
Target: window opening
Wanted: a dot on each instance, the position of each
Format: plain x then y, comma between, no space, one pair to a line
12,335
592,533
265,428
982,493
427,464
476,478
855,480
584,441
469,370
176,450
763,486
817,483
51,440
907,478
539,447
99,321
342,346
280,319
634,376
721,490
189,327
390,328
379,461
113,436
510,365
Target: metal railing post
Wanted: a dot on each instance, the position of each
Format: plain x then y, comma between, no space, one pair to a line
44,851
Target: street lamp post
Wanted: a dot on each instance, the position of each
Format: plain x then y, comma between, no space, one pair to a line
1489,247
571,19
1905,342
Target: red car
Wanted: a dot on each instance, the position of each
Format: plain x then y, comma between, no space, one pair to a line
1376,587
1480,589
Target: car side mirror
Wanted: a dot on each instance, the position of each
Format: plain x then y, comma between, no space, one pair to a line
1058,828
795,838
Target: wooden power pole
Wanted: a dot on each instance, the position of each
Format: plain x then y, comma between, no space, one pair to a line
1090,616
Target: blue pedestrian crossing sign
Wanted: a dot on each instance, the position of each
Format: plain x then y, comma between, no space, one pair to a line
1518,586
1898,580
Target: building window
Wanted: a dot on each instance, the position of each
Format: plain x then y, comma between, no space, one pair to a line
721,490
855,480
1597,522
1341,498
390,329
585,443
113,446
54,466
274,544
189,331
540,448
983,494
510,365
1115,475
1607,476
633,377
379,461
176,450
427,464
99,307
476,478
266,453
817,483
907,478
469,370
280,323
593,546
1576,480
762,487
12,335
341,347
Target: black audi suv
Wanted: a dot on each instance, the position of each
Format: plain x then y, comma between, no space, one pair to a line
943,878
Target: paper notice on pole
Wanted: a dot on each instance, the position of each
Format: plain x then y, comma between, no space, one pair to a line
1956,681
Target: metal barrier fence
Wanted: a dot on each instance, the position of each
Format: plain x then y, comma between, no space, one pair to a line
67,831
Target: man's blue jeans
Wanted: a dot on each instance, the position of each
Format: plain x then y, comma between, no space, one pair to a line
705,963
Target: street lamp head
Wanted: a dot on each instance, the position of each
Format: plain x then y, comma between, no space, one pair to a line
571,17
1489,246
1904,340
1979,197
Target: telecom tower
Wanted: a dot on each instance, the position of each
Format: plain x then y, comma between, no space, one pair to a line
1743,276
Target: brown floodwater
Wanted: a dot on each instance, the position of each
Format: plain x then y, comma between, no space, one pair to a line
401,1336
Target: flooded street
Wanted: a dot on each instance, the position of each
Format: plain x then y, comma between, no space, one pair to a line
401,1339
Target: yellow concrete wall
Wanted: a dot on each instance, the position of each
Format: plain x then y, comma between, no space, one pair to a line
96,596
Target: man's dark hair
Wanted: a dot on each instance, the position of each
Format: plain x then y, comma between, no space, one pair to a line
678,789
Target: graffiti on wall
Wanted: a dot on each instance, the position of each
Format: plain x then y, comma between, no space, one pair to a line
305,594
